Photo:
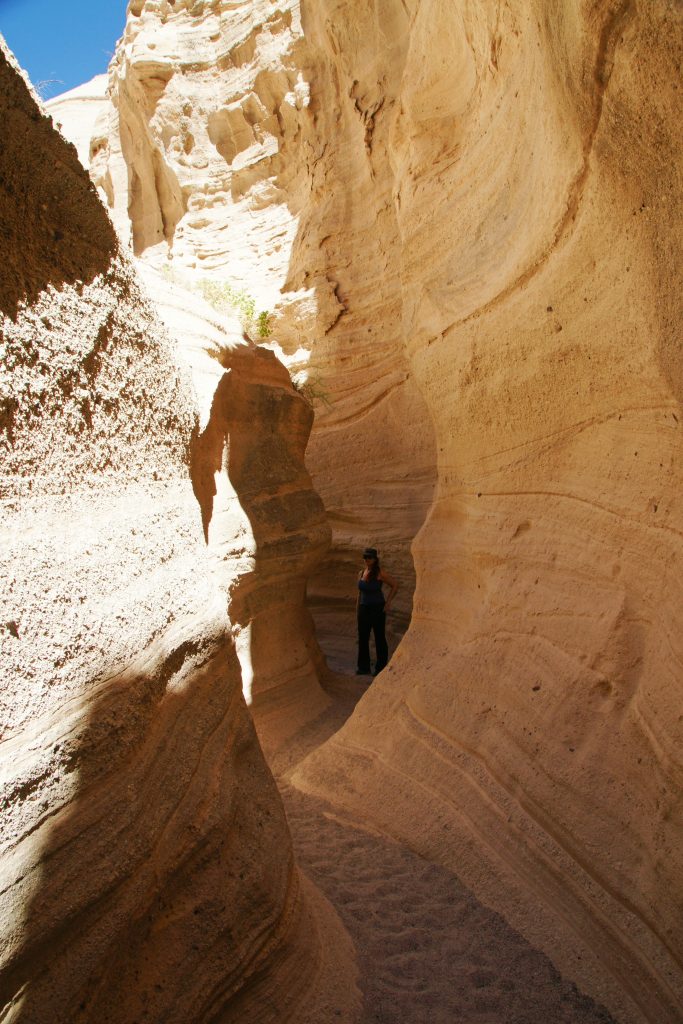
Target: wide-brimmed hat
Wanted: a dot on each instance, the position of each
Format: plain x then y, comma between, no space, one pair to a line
370,553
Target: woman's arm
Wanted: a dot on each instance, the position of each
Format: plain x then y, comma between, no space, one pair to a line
393,587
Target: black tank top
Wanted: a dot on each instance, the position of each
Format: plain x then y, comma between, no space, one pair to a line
371,592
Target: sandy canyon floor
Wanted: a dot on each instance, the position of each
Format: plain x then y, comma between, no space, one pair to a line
429,952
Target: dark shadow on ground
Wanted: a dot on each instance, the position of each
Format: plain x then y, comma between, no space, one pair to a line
429,951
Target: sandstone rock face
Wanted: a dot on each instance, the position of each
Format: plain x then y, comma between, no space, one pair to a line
264,524
80,113
146,862
465,219
528,732
212,152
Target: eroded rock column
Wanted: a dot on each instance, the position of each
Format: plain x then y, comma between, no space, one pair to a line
218,153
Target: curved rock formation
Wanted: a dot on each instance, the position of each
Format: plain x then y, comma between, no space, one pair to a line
213,151
264,524
147,869
526,733
472,214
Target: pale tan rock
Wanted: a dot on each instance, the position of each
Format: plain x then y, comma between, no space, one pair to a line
467,221
526,733
146,863
265,527
209,153
78,113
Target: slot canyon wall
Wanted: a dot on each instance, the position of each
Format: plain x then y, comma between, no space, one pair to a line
528,731
147,869
214,161
465,218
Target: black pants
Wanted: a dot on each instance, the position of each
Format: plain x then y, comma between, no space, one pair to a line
371,618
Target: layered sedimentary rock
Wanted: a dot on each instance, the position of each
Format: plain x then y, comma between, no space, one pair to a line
528,732
471,211
146,863
212,152
263,522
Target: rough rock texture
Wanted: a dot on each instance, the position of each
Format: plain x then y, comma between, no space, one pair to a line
472,212
528,732
262,520
212,153
146,863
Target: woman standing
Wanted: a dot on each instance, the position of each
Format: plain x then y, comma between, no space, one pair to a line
371,609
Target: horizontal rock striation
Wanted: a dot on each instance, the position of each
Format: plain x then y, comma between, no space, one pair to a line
465,219
213,149
147,869
527,732
264,425
264,525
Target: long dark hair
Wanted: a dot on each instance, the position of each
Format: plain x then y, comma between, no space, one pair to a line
374,570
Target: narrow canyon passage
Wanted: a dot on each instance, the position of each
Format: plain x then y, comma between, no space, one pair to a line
428,951
331,275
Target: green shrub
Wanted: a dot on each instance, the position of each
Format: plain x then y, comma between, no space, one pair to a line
224,297
263,324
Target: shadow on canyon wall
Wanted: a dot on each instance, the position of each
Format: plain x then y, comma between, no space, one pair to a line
156,877
372,453
53,226
156,874
257,432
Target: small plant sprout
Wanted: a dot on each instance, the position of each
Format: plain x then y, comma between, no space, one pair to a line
263,324
312,388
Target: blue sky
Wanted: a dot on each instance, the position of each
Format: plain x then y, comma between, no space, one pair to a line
62,43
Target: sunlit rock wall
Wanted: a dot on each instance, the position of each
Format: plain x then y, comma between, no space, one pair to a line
475,237
264,524
146,862
528,732
79,113
215,144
